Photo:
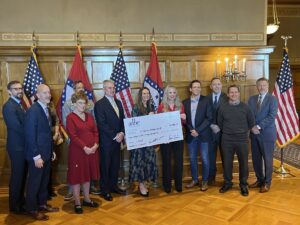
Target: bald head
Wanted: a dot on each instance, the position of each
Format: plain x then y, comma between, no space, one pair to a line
43,93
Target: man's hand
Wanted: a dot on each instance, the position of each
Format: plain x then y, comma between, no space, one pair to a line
194,133
119,137
38,163
255,130
215,128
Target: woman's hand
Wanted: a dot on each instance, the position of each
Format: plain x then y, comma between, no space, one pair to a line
183,116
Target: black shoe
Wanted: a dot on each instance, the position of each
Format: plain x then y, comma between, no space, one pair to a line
18,210
256,184
107,196
244,191
90,204
119,191
224,188
167,190
78,209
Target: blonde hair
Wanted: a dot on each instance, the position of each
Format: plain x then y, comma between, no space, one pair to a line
177,102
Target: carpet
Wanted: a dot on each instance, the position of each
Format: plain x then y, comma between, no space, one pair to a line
291,154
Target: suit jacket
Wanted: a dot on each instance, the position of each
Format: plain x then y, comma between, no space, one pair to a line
203,119
38,136
108,122
14,117
265,116
214,110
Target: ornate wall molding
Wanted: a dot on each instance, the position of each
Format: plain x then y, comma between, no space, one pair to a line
285,11
138,39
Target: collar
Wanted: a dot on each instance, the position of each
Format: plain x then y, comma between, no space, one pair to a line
16,99
42,104
195,99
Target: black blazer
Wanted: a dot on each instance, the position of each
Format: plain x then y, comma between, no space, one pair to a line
214,110
14,117
108,122
203,119
38,136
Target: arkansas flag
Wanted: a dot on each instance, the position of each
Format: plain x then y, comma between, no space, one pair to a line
153,78
77,73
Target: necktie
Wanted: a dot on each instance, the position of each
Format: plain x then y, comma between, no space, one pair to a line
215,102
22,107
114,105
47,111
259,102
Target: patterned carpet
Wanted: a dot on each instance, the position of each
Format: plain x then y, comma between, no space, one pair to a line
291,154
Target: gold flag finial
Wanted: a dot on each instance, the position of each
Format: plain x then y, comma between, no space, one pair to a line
286,38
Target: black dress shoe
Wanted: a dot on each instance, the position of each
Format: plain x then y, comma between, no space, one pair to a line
18,210
90,204
38,215
256,184
119,191
78,209
244,191
107,196
224,188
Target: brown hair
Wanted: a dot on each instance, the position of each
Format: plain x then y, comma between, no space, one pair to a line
80,95
233,86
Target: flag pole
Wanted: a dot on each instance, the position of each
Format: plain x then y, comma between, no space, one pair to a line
124,185
281,170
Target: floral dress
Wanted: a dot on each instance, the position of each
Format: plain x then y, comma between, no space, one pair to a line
142,160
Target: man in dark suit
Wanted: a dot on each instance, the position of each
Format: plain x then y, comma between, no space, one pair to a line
14,115
109,117
198,120
263,135
38,139
216,99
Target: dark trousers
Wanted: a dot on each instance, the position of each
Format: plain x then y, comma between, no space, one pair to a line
17,180
212,153
262,158
229,149
174,149
109,167
37,185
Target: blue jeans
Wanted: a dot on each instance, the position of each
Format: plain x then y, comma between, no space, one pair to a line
193,149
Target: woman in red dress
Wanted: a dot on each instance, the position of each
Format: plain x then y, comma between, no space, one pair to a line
83,164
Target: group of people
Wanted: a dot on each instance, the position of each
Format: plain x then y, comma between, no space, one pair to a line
96,132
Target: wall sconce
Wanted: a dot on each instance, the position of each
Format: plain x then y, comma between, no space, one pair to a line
273,27
232,71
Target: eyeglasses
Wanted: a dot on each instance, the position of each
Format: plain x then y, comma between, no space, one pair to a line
17,89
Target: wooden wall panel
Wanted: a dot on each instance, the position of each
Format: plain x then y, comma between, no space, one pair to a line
255,69
178,66
180,71
205,70
101,71
133,71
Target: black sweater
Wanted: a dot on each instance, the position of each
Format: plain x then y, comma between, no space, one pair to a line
235,121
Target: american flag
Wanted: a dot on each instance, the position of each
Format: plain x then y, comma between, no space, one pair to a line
287,121
120,78
153,79
32,79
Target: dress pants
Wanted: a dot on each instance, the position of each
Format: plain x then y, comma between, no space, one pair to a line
212,153
229,149
17,180
109,167
262,158
175,150
37,185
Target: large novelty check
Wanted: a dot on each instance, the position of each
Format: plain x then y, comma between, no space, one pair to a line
154,129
